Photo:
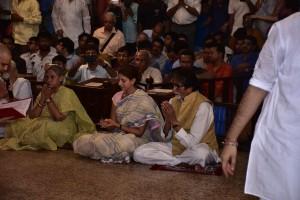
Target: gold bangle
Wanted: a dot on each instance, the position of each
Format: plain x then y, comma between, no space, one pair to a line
48,100
40,104
230,143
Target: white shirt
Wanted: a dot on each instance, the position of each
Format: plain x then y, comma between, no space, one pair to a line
72,60
114,44
21,89
39,63
84,73
152,72
274,162
238,9
71,17
202,121
28,57
130,24
30,11
159,61
182,16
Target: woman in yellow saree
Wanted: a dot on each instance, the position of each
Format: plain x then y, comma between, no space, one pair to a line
135,120
56,118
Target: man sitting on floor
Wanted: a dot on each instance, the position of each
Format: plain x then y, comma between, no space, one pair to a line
189,127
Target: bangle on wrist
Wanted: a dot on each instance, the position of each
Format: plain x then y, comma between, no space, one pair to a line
227,142
48,100
39,104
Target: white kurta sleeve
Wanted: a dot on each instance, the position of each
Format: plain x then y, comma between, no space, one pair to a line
270,58
231,7
23,90
56,16
156,75
203,120
86,18
78,74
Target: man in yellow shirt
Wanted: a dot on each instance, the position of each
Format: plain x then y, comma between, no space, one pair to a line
26,17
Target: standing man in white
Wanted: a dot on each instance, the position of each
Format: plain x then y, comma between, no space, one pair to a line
274,162
71,18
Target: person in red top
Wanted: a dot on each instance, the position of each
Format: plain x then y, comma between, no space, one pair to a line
217,68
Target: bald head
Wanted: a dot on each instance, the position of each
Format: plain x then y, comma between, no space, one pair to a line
5,59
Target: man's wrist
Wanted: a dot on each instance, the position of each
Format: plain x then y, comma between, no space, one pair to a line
230,142
176,126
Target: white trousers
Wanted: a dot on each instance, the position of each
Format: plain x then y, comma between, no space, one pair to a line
161,153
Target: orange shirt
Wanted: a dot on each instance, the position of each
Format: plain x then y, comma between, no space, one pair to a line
223,71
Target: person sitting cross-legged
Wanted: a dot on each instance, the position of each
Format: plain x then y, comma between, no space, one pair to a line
189,127
135,120
55,120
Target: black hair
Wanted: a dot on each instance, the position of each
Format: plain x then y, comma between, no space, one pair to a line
67,43
219,47
143,45
84,34
92,41
131,72
160,41
187,52
44,34
33,39
186,76
180,45
240,34
172,34
124,49
251,39
60,58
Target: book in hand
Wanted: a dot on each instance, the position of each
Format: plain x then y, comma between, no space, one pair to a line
15,109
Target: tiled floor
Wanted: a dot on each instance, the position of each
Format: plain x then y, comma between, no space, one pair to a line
63,175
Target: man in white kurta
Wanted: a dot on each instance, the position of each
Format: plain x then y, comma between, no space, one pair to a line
190,121
71,18
274,162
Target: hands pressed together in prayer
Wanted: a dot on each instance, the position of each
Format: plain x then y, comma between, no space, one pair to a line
46,92
168,112
170,116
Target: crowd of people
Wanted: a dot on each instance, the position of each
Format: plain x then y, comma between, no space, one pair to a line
217,38
154,42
